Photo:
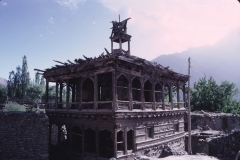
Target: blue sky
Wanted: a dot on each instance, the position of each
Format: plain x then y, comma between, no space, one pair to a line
47,30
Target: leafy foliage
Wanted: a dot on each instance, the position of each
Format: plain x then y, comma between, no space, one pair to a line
3,92
13,106
208,95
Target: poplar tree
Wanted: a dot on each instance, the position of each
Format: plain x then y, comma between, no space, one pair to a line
25,78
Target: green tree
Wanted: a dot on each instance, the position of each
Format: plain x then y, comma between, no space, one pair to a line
3,92
208,95
25,77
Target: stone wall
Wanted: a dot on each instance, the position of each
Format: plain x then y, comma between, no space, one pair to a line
23,136
224,146
217,121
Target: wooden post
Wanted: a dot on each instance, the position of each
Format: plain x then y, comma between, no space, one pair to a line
129,47
95,98
68,92
120,43
56,97
163,97
153,97
130,93
114,86
170,96
189,112
47,86
142,94
80,94
125,140
184,96
111,46
178,99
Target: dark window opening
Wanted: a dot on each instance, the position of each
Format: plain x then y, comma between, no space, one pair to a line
87,90
64,137
136,106
105,144
149,132
105,87
54,134
104,105
62,96
77,140
122,88
148,91
136,89
158,92
224,124
90,141
130,141
87,106
120,144
176,127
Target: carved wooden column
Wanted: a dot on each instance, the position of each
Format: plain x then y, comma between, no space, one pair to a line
153,96
120,43
83,141
73,93
59,134
163,97
170,96
130,93
115,142
80,94
125,140
60,96
56,97
47,86
95,98
97,141
142,94
68,92
114,86
111,46
184,95
178,99
129,47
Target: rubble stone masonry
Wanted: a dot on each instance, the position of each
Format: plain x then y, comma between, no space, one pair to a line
23,136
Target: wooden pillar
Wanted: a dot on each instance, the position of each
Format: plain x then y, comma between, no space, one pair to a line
80,94
115,142
68,92
129,47
153,96
73,93
114,86
60,96
95,98
184,95
111,46
47,86
83,141
120,43
97,141
163,97
178,99
125,140
130,93
170,96
56,97
142,94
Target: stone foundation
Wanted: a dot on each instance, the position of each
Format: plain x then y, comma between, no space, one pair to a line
23,136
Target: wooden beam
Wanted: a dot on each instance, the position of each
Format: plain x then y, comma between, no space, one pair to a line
59,62
39,70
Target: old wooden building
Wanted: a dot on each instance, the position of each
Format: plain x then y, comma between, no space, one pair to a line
115,105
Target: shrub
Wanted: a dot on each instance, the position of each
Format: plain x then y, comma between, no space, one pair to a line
13,106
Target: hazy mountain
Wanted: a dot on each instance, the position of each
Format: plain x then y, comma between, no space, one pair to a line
3,81
221,61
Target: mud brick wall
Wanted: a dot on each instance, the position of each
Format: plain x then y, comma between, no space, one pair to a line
23,136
